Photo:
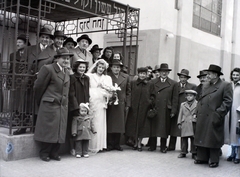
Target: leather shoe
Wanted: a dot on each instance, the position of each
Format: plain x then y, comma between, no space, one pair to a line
139,149
46,159
236,161
118,148
170,149
19,131
194,156
57,157
230,158
163,150
213,165
182,155
200,162
151,149
134,148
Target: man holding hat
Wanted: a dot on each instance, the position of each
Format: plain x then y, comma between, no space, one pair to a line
166,102
81,51
213,105
47,55
96,52
51,94
183,85
116,113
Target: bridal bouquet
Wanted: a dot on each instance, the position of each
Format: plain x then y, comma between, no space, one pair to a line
112,90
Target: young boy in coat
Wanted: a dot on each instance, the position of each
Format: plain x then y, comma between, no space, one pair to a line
187,122
82,126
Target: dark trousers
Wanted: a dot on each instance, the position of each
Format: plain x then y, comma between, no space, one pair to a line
172,142
49,149
82,147
113,140
163,142
206,154
184,145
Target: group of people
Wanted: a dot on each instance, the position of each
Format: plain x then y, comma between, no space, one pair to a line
92,101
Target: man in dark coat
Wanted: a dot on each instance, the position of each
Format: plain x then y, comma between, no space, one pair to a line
202,78
22,93
47,55
81,50
213,105
166,102
51,94
116,113
183,85
33,51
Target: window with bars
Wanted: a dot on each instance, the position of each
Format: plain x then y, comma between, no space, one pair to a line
207,15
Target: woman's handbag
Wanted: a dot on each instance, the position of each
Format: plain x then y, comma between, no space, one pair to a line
152,112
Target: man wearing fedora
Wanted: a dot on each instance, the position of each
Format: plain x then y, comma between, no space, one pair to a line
69,43
81,52
51,94
166,103
96,52
156,71
33,51
203,83
183,85
47,55
213,104
22,93
116,114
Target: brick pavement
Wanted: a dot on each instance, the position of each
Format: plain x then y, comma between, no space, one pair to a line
128,163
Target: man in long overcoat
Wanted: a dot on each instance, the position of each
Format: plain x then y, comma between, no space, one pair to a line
213,105
51,94
183,85
166,102
116,113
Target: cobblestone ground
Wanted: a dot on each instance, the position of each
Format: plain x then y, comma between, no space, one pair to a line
128,163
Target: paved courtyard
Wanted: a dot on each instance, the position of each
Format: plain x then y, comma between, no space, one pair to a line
128,163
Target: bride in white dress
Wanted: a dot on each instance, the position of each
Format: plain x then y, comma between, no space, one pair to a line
99,82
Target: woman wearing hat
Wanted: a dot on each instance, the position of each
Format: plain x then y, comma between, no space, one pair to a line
47,55
81,52
51,94
78,93
116,113
100,84
138,126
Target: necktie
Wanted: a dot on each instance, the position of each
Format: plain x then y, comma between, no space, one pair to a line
183,85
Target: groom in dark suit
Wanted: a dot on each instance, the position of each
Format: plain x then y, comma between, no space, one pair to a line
116,113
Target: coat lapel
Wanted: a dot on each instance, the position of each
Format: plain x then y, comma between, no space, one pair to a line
162,85
212,88
118,80
80,54
58,71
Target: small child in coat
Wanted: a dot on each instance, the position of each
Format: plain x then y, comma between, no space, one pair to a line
187,123
82,126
